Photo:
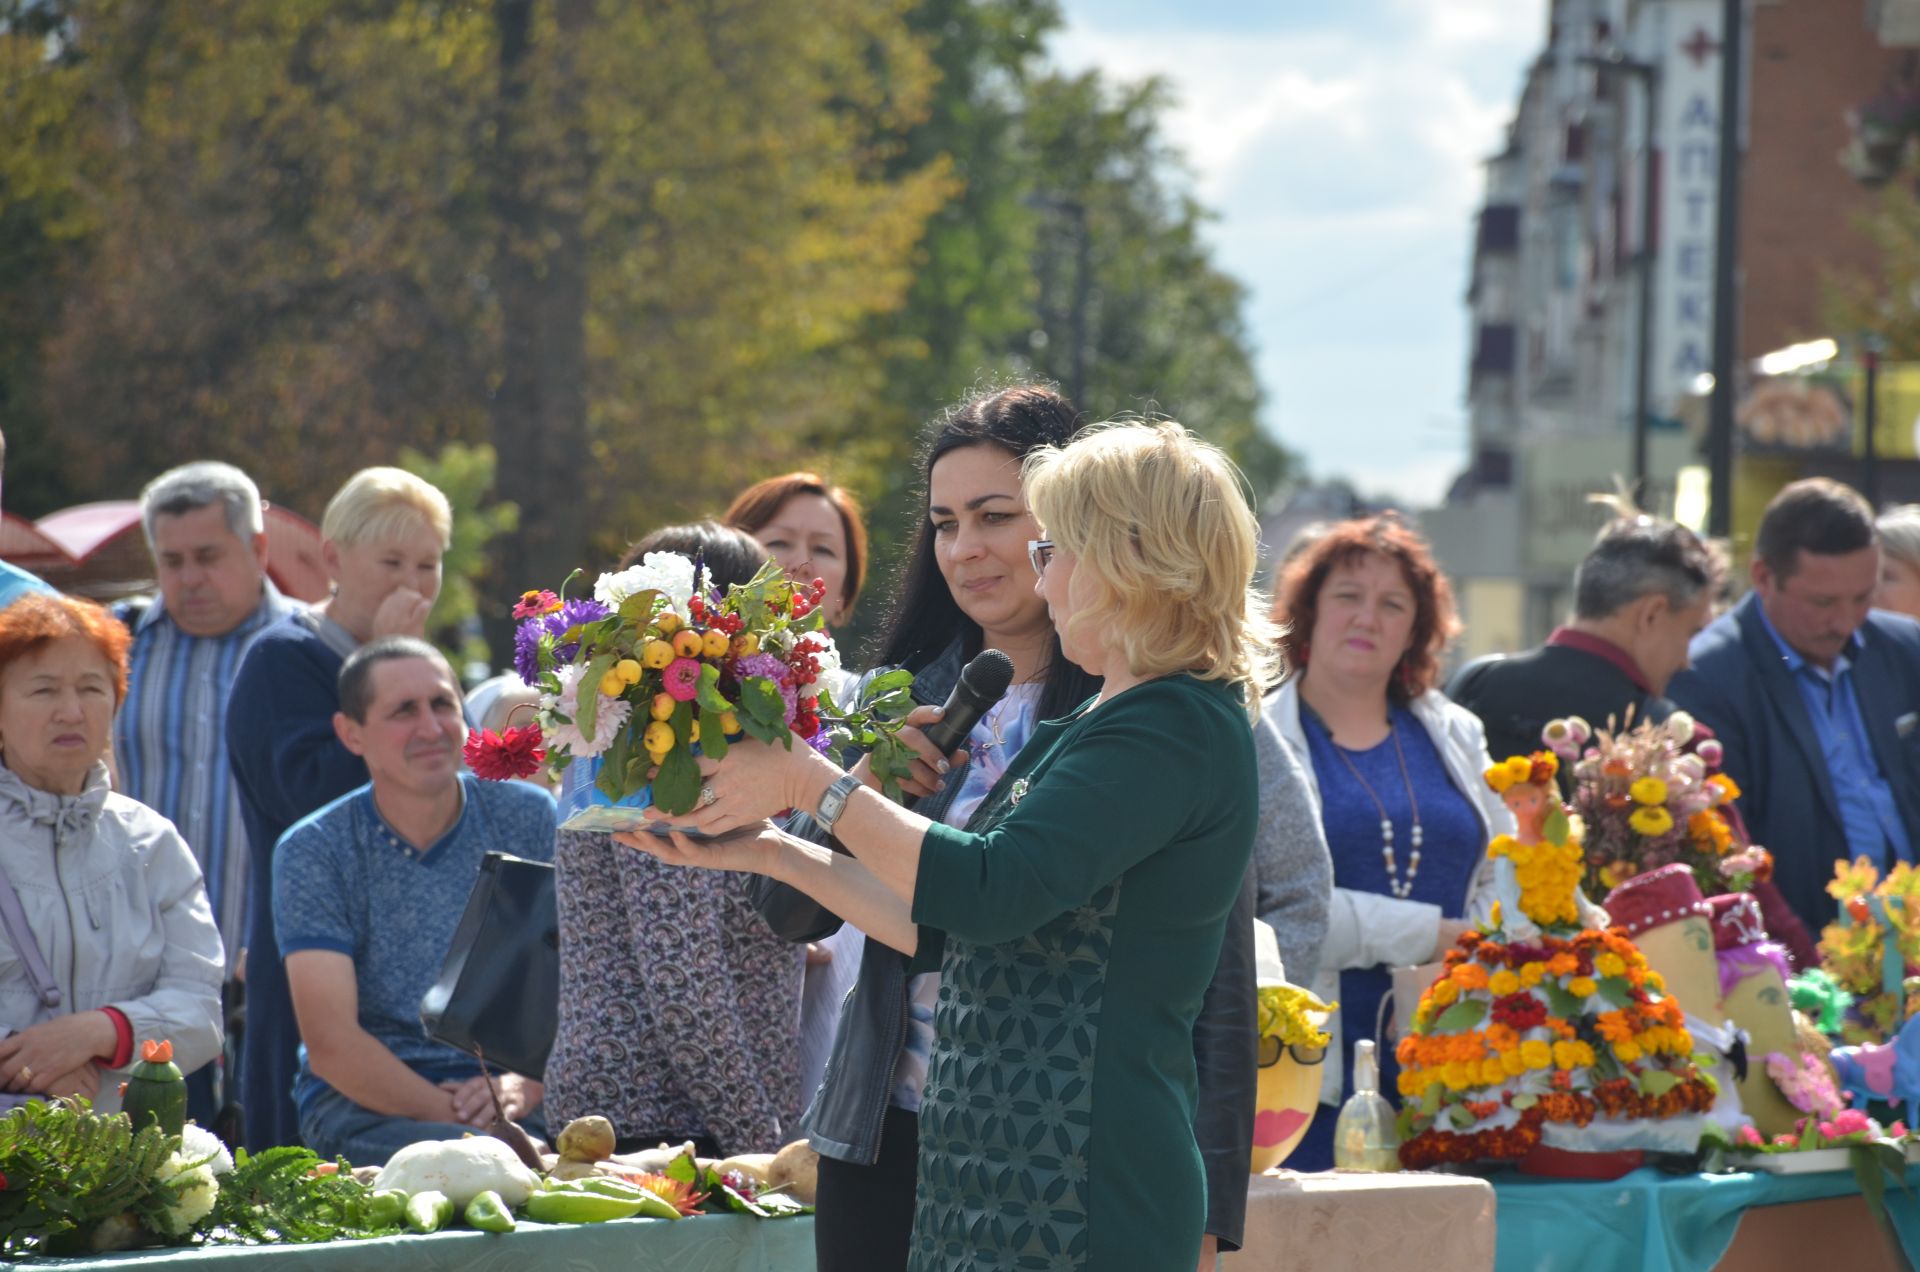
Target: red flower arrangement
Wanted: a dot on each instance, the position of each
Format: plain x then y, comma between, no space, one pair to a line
495,757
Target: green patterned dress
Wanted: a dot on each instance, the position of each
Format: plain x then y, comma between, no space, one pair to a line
1077,922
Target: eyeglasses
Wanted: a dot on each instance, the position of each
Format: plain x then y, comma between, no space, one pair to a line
1271,1048
1039,552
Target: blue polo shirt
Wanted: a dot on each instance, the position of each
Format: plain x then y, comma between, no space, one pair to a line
344,880
1868,814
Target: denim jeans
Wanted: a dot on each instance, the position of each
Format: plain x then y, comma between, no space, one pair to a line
334,1126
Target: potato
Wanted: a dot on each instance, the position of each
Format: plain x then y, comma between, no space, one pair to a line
796,1171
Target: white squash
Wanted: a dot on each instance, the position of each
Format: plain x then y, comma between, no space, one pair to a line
462,1169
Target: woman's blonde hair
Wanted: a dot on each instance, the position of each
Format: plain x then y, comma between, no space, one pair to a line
1167,547
1899,528
380,504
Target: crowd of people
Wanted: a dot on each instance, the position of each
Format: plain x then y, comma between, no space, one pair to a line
228,815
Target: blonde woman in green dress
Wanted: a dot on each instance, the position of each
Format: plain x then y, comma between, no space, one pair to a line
1077,920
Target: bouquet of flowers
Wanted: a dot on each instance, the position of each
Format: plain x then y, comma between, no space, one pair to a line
1873,950
658,667
1647,797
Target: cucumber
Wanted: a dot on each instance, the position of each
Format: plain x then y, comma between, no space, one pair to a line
156,1091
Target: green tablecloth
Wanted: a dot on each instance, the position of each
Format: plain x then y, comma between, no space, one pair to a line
1653,1222
707,1243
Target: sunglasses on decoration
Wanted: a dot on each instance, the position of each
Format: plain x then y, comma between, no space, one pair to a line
1039,552
1270,1049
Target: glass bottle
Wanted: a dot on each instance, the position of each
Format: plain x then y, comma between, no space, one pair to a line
1366,1137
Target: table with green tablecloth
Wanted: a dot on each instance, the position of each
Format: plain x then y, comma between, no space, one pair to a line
1648,1221
707,1243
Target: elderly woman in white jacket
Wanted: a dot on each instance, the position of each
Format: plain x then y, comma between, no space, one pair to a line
1396,771
106,937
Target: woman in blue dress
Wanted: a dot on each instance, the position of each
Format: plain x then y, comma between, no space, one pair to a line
1397,768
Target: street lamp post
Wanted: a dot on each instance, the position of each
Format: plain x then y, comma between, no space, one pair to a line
1648,74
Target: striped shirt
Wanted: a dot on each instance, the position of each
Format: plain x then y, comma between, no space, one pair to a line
170,741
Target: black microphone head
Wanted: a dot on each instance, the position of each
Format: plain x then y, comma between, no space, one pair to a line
988,676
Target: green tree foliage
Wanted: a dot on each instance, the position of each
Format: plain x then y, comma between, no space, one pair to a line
1886,300
646,252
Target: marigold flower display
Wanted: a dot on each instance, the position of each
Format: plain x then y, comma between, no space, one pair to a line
1873,947
1561,1027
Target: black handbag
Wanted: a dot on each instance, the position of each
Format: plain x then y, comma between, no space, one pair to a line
498,996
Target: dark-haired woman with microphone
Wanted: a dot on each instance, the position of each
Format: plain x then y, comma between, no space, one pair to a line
967,586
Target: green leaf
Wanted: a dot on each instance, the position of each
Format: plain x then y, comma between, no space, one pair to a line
884,684
612,778
682,1168
1561,1002
713,738
589,695
710,698
764,707
1657,1082
676,787
1556,828
639,606
1462,1016
1616,990
1521,1103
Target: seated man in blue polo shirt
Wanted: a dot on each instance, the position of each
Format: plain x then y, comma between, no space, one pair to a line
367,893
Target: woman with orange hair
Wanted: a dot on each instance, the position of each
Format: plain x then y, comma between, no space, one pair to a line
813,529
1395,765
108,938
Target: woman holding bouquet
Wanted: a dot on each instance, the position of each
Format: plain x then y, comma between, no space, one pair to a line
678,1005
1077,921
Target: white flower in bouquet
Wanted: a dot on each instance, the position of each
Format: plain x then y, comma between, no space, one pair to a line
1680,728
609,718
667,573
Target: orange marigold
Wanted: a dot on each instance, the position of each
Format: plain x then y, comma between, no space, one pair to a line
1470,976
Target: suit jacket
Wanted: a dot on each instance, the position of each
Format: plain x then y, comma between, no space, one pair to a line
1741,688
1516,696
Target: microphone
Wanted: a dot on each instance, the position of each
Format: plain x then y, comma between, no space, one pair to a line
983,682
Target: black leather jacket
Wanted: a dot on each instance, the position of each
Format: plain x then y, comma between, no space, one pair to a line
843,1121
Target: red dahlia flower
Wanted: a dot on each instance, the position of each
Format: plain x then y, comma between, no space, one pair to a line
495,757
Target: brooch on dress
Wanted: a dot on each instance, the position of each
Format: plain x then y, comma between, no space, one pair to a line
1017,791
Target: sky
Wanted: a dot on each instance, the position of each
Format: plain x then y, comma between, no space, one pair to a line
1340,143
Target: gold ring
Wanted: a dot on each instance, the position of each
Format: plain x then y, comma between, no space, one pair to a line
26,1073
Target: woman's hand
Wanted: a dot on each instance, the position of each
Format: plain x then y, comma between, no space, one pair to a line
756,781
402,613
750,850
83,1082
929,766
33,1058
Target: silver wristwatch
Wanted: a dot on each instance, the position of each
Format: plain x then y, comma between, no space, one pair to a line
834,802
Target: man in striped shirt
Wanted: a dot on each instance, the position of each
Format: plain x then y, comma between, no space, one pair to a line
205,528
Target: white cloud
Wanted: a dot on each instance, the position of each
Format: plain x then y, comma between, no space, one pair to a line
1342,151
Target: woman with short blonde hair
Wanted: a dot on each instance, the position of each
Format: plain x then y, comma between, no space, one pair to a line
1077,920
382,538
1899,589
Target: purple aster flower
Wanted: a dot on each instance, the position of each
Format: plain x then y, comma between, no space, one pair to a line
526,650
573,614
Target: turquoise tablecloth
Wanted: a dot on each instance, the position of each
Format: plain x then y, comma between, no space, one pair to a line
1653,1222
708,1243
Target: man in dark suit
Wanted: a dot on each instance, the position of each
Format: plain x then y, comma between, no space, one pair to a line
1815,697
1642,592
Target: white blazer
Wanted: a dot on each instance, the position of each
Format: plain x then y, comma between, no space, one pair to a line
1366,929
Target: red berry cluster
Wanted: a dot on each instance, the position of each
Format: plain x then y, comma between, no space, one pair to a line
806,719
805,601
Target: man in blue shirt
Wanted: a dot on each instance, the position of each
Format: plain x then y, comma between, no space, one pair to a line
1815,696
367,893
206,530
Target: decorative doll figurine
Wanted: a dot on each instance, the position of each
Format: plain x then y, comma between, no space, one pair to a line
1883,1071
1532,866
1667,918
1753,989
1293,1046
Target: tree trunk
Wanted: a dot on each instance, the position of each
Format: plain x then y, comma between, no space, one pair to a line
542,168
